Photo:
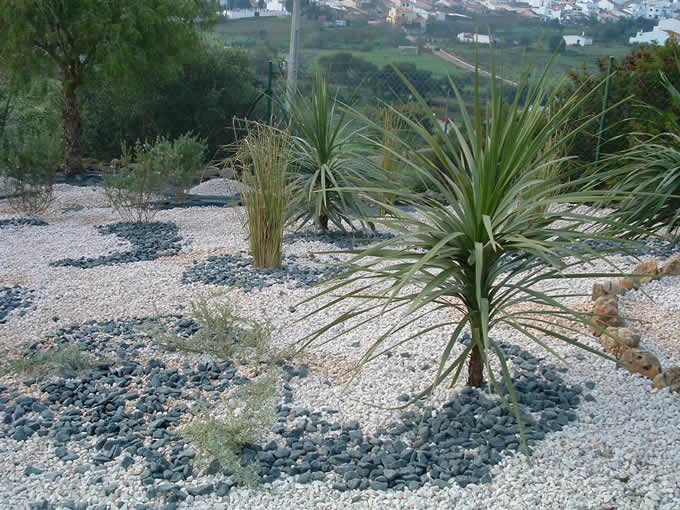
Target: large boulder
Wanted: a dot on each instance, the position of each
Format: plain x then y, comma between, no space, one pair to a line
606,313
618,340
642,362
669,378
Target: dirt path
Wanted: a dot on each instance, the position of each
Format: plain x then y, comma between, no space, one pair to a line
449,57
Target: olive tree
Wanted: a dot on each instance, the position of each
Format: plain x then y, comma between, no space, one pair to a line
74,40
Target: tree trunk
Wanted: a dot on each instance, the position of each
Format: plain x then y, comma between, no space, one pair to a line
73,130
323,221
475,368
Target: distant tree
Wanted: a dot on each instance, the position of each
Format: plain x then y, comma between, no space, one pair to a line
215,85
79,39
636,75
556,43
344,68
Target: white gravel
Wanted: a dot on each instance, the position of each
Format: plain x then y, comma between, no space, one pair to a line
623,452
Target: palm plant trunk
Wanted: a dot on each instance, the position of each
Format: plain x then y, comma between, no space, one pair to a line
73,130
475,368
323,222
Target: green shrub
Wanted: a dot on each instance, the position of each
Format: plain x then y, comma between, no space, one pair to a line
262,159
249,413
31,147
28,164
57,361
185,157
223,333
132,187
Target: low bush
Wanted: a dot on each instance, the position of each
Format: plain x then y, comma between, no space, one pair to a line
132,187
222,333
31,148
249,413
63,361
28,164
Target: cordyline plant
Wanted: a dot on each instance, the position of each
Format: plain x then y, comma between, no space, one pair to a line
489,254
325,160
652,168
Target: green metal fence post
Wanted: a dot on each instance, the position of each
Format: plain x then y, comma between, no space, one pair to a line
605,102
270,74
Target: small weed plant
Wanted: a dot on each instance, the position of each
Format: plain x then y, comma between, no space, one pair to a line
247,416
222,333
62,360
262,159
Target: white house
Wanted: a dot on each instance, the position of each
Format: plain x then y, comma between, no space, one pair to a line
577,40
660,33
477,38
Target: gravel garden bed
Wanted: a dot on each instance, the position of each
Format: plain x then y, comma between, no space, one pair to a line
111,435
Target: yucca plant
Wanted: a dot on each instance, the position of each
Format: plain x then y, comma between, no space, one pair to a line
490,253
326,150
652,167
262,158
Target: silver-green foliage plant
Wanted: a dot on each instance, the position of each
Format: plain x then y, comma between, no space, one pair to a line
55,361
326,149
185,158
222,333
246,416
262,159
133,187
492,257
31,147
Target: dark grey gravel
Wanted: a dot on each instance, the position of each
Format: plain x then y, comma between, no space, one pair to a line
457,443
22,222
238,271
150,241
13,298
343,240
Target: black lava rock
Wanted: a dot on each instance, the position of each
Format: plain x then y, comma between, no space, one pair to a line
150,240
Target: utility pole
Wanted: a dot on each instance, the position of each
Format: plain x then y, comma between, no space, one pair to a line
294,51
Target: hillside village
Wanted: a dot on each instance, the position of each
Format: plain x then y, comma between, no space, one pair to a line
410,13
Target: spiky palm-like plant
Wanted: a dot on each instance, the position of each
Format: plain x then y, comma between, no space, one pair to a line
325,164
653,175
489,253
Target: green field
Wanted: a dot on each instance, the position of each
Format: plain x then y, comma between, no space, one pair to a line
267,38
511,61
380,58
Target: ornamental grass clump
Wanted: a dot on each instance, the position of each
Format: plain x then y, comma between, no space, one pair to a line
326,167
263,158
502,252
